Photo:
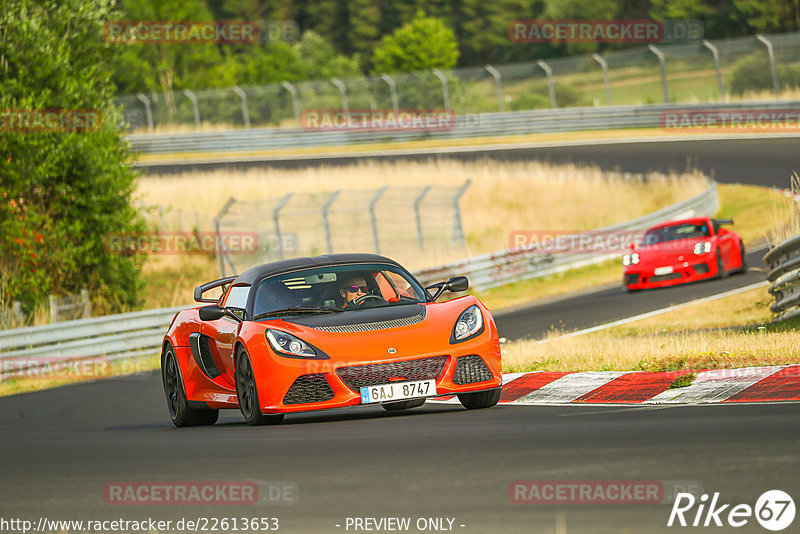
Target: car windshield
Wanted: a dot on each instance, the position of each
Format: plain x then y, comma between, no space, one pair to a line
334,289
675,232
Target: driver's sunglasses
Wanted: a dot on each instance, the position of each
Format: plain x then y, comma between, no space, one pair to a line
356,289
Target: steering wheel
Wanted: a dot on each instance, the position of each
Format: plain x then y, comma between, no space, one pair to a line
360,301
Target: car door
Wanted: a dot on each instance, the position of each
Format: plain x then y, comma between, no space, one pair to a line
221,334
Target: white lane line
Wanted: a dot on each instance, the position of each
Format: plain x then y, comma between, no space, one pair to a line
657,312
715,386
569,387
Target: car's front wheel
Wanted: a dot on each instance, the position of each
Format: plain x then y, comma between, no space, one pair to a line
480,399
248,395
179,410
402,405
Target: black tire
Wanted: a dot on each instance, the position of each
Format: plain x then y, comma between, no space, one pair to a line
402,405
480,399
248,394
743,258
179,410
721,273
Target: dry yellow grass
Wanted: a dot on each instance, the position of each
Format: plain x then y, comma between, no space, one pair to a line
503,197
713,335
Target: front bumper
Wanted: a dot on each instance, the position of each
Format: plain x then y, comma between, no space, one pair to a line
639,277
321,384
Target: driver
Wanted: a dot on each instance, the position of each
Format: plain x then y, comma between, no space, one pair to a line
353,289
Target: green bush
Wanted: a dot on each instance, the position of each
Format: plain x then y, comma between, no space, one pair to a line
752,73
538,97
63,192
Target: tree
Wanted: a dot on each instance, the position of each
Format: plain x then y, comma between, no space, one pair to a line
63,192
422,44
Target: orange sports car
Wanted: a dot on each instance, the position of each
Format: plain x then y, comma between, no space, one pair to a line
327,332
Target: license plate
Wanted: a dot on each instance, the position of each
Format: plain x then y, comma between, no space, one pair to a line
398,391
662,270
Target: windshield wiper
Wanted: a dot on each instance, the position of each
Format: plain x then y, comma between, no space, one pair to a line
298,310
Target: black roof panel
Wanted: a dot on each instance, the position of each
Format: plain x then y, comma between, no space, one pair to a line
259,271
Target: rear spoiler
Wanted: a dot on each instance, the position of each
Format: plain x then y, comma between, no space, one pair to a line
199,290
719,222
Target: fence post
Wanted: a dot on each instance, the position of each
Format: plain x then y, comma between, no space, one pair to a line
148,113
498,84
374,219
222,253
16,310
551,88
771,54
87,304
295,104
458,228
604,65
276,219
445,91
195,109
53,308
417,203
245,112
343,90
392,91
325,223
715,52
662,61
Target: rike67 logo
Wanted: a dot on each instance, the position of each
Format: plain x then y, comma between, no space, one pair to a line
774,510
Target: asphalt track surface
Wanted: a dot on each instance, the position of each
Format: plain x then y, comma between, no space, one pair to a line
614,303
761,161
61,447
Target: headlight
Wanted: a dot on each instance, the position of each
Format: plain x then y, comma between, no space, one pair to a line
630,259
469,324
289,345
704,247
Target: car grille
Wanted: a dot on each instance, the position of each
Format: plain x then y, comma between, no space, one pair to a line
700,268
662,277
309,388
471,369
358,376
377,325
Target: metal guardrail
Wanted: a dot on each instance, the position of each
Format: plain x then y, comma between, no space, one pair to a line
131,335
491,270
481,125
113,337
784,264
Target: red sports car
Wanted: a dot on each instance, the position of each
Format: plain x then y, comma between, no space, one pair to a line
327,332
682,251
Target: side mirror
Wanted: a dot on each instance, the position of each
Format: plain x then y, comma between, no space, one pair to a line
457,283
211,313
632,246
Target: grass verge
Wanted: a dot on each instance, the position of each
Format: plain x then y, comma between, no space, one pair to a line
726,333
13,386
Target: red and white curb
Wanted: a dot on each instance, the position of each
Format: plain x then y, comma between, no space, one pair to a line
748,384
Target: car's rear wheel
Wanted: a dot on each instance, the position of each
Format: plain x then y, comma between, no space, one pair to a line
480,399
721,273
179,410
402,405
742,258
248,394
